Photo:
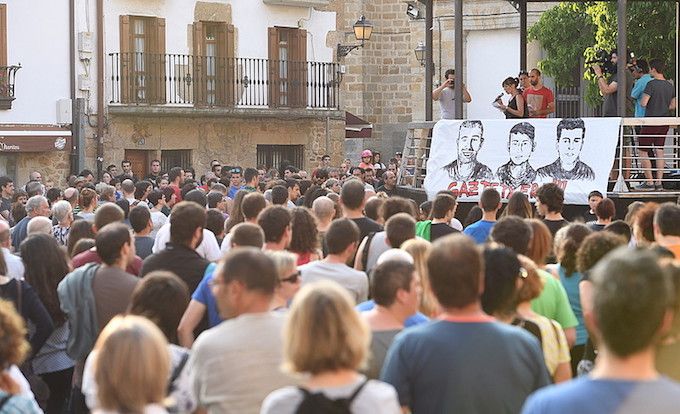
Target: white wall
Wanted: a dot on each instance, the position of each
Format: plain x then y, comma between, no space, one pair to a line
491,56
38,38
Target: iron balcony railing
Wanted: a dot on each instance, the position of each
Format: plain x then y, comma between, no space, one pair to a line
7,77
207,81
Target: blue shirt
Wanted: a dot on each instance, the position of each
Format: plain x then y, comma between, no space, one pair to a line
479,230
594,396
204,295
232,191
571,287
414,320
637,92
465,367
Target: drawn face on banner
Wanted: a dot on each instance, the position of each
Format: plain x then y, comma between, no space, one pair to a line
569,145
469,141
520,148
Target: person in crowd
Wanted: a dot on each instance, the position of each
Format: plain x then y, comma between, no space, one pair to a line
249,208
620,228
389,184
553,341
13,263
549,204
161,298
605,211
275,222
324,211
443,211
304,240
187,223
342,239
490,203
667,227
14,389
88,203
373,209
140,221
396,292
540,100
279,196
80,229
46,266
131,367
446,95
107,194
375,244
207,247
553,303
517,107
42,225
419,250
352,198
249,340
202,299
156,201
643,225
289,279
440,352
594,197
474,215
176,180
326,339
35,206
399,228
18,212
106,214
293,188
215,223
235,182
236,214
142,191
62,213
628,318
128,188
6,193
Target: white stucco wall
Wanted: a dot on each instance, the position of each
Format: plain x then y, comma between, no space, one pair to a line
38,38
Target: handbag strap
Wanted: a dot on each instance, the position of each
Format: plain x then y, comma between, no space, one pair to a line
5,399
19,294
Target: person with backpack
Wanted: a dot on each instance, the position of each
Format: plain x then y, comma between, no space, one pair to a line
327,339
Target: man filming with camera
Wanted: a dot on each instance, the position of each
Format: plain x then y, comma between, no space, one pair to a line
608,89
446,95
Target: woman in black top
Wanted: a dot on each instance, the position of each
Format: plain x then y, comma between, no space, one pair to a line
517,107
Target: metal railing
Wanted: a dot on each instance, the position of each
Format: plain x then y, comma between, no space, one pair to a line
7,78
208,81
629,164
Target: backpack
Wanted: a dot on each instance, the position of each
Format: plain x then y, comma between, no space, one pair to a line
318,403
423,229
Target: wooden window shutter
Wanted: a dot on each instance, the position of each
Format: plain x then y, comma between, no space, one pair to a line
298,68
274,65
3,35
157,72
197,75
125,59
225,82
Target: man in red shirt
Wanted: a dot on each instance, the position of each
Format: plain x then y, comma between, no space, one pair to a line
540,99
176,178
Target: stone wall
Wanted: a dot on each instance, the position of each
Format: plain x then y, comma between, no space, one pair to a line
54,166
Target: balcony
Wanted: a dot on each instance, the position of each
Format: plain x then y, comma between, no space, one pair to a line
174,83
7,77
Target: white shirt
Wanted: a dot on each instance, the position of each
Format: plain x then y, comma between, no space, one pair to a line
15,266
208,249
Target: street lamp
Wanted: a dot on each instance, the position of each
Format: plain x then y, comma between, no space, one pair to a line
363,29
420,53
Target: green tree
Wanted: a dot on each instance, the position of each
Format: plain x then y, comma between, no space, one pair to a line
571,31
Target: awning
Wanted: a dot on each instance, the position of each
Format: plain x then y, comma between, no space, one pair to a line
356,127
34,138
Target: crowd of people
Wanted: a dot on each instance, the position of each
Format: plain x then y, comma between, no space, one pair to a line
248,290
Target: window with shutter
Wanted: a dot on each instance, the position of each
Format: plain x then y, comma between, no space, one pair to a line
142,49
3,35
287,67
213,64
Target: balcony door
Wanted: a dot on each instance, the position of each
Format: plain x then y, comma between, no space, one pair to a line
213,64
142,59
287,67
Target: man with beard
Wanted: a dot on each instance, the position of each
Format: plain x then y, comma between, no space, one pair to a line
568,166
466,167
540,99
521,145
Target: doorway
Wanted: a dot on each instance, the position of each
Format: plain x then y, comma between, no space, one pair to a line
140,162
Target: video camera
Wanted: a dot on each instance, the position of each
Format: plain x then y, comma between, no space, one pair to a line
604,60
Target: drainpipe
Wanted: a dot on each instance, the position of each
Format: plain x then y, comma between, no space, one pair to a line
100,87
75,131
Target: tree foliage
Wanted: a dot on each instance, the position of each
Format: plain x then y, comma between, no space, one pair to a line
572,31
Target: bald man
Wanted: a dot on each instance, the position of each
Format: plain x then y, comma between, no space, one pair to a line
15,267
324,210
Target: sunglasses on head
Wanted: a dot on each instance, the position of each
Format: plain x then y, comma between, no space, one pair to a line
235,171
292,278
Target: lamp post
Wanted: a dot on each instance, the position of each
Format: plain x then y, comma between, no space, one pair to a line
420,53
363,29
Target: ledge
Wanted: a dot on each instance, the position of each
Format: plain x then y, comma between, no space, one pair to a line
192,112
297,3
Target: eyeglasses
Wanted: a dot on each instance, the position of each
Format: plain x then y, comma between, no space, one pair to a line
292,278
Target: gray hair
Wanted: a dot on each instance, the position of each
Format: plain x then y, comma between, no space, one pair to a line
34,203
323,207
39,225
283,260
61,209
106,190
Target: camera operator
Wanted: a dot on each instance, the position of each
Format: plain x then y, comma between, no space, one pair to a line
446,95
608,89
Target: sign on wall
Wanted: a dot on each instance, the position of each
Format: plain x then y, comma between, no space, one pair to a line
467,156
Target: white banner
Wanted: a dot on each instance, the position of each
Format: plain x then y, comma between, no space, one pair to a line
511,155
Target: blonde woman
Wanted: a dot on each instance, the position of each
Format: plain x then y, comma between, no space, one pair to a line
419,249
326,338
132,367
289,278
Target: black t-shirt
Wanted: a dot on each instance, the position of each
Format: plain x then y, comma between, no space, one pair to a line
366,225
596,227
588,216
661,93
555,225
440,230
6,205
387,191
